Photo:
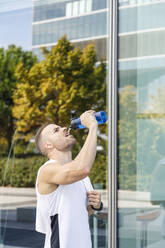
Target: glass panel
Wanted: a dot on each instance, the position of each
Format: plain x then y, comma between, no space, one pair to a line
146,21
75,8
49,10
17,204
57,9
134,2
82,8
89,30
25,75
89,5
97,4
69,9
141,87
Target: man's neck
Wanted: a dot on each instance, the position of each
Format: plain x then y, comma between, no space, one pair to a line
61,157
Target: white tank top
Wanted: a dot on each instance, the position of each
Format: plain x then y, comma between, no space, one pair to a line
62,215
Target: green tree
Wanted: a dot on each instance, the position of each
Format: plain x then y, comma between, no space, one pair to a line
139,134
127,138
66,79
9,60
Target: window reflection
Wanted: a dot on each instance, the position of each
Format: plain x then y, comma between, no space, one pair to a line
134,2
81,27
145,22
66,8
141,125
18,207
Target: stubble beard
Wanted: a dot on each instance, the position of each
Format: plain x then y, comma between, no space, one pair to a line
67,146
70,145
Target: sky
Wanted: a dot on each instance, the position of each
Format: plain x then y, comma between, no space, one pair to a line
16,23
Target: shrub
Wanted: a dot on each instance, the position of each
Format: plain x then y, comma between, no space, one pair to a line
21,172
99,169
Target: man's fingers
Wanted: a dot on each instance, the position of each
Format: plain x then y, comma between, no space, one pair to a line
90,111
94,197
94,202
92,192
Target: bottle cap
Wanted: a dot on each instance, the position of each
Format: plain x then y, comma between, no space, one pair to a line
73,114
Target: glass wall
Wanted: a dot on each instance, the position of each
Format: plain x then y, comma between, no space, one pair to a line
78,23
74,28
65,8
146,21
25,27
141,129
17,203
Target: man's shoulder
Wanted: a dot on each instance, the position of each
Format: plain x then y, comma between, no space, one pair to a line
49,166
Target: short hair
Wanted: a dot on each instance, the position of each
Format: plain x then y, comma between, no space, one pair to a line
38,139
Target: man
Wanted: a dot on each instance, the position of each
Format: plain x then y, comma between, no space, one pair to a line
65,196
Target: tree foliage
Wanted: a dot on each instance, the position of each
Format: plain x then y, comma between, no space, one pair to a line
66,79
140,146
127,138
9,60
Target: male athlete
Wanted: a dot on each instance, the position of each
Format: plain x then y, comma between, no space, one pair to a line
65,196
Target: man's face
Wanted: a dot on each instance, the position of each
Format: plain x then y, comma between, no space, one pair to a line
58,137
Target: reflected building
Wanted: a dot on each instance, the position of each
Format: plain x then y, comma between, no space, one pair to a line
141,63
141,117
141,40
82,21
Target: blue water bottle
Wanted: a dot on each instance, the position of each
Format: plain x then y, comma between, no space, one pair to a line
76,122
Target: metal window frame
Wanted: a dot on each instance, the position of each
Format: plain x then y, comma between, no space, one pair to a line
112,121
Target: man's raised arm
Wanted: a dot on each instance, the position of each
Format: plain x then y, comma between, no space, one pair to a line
80,167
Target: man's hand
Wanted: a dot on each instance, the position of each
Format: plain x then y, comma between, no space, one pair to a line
94,198
90,210
88,119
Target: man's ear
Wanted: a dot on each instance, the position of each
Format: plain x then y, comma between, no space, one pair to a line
48,145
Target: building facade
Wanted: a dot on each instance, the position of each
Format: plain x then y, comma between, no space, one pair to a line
83,22
76,19
140,90
130,35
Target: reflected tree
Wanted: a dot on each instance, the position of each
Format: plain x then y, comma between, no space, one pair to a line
127,138
9,59
66,79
